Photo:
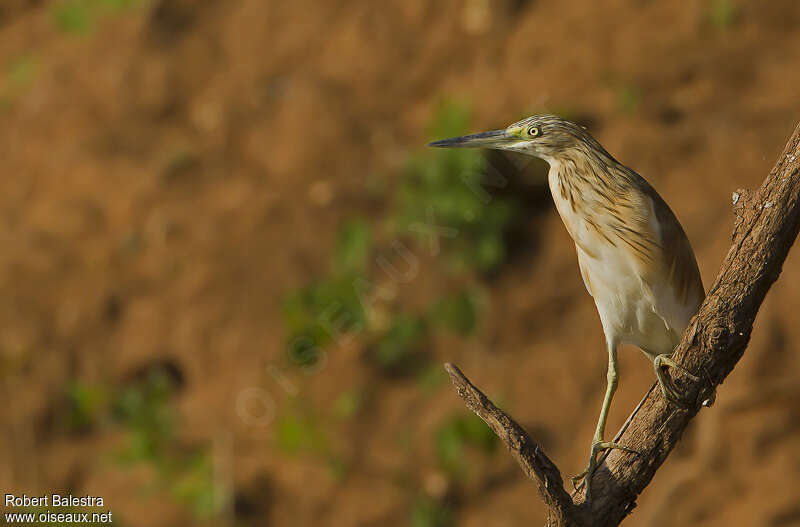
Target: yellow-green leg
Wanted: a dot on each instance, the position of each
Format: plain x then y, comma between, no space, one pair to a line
598,444
660,362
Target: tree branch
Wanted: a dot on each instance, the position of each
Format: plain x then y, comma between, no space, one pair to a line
766,226
530,457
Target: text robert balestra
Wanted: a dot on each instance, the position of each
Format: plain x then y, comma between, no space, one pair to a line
53,500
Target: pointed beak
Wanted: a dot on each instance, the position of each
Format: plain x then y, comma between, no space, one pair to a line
493,139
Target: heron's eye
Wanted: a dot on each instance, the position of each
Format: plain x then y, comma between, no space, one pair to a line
534,131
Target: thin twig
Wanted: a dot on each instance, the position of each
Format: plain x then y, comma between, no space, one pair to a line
529,454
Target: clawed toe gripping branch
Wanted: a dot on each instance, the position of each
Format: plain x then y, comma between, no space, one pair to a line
766,226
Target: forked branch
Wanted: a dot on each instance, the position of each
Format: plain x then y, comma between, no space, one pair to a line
766,226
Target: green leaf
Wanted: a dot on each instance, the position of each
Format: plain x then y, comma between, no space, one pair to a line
295,434
73,17
629,97
457,433
352,251
120,5
320,313
22,70
87,404
452,118
458,312
348,403
426,512
432,377
723,14
396,347
445,187
194,485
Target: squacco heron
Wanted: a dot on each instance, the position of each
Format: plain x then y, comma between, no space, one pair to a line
634,257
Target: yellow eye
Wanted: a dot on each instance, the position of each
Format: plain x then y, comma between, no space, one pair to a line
534,131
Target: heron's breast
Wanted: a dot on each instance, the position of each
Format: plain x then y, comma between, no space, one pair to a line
573,207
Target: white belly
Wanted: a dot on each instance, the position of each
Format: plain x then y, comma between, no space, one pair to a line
627,307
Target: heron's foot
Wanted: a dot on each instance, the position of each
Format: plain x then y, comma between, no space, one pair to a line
587,475
668,389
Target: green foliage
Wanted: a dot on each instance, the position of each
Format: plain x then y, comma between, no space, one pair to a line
144,410
299,433
77,17
455,435
183,165
444,187
317,314
441,189
723,14
629,97
352,251
17,77
337,467
119,5
348,404
452,118
432,377
87,405
427,512
22,70
143,407
74,17
397,347
192,483
458,312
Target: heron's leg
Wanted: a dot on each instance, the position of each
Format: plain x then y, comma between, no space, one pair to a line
598,445
660,362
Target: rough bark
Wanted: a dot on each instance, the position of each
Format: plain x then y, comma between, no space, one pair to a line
766,226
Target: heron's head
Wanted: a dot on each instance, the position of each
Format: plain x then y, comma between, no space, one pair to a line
545,136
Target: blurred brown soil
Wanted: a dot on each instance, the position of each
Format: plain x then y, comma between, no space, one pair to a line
170,175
